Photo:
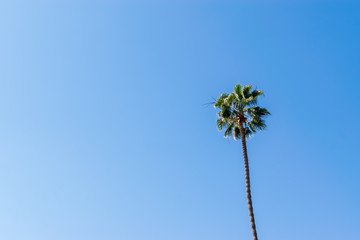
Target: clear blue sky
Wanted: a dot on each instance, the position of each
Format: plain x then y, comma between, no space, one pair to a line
104,135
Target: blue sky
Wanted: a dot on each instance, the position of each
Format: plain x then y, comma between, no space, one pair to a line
104,132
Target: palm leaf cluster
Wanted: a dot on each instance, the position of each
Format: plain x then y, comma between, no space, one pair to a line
240,107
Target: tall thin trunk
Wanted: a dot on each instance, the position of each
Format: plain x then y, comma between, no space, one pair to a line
247,180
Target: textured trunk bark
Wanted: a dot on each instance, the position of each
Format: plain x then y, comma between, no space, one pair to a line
247,180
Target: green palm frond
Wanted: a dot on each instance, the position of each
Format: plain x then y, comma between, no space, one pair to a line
252,99
257,124
229,129
248,132
251,126
241,103
229,100
225,112
238,92
257,111
256,93
256,115
221,122
246,91
220,101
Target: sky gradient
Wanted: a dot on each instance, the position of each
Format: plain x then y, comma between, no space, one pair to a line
105,132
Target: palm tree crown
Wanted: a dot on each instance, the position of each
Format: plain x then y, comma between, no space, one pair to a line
239,107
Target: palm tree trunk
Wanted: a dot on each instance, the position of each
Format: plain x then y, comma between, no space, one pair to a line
247,180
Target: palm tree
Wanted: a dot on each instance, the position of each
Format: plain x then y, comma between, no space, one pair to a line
240,116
